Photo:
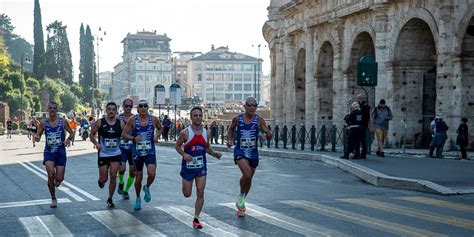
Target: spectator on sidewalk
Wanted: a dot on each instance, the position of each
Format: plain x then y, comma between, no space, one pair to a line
439,138
380,117
214,132
463,138
356,128
365,109
166,127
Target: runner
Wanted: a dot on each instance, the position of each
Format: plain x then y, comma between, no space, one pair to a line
126,148
196,142
248,126
73,125
110,131
9,128
55,149
28,128
143,135
34,129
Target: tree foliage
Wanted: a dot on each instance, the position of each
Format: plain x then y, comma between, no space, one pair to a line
58,60
38,44
87,63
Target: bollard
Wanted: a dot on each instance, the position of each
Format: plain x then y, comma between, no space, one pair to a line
302,136
285,136
313,137
333,137
293,137
276,134
323,138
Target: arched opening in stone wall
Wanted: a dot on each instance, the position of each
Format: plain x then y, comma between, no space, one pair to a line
467,57
415,80
300,83
363,46
324,83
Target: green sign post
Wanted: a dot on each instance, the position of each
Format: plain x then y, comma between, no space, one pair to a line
367,70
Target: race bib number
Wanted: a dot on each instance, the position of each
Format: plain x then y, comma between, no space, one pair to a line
196,163
54,140
247,143
144,146
111,143
125,144
33,127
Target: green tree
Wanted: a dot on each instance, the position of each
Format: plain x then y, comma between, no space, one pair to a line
76,89
68,100
58,60
88,70
33,85
37,104
39,43
4,59
53,89
17,80
5,87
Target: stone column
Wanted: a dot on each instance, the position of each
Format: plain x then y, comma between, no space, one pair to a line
309,79
272,84
340,96
289,96
446,82
280,83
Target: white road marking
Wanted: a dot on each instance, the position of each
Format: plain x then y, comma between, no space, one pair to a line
209,221
121,223
320,181
187,218
31,203
44,226
285,222
77,189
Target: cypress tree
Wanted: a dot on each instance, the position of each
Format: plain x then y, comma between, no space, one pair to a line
58,62
39,43
89,65
82,36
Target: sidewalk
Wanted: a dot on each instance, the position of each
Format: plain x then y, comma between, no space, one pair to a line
411,170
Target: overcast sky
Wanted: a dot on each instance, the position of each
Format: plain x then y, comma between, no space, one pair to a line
192,25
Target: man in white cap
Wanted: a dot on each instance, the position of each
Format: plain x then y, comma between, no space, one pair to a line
140,129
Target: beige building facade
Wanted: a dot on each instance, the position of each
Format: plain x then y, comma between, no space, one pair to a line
424,50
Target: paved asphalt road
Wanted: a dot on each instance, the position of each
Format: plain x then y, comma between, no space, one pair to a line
288,198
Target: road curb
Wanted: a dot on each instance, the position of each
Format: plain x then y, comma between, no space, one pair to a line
368,175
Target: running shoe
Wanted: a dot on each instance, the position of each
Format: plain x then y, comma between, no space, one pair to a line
120,189
197,224
240,213
125,195
110,203
240,203
138,204
146,190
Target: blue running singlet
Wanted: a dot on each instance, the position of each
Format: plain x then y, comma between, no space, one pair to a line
247,137
125,145
54,149
146,146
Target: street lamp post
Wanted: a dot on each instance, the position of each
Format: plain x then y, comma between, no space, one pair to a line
257,69
95,81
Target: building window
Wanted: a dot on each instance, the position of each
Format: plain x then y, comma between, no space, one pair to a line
228,67
238,87
247,87
238,97
248,67
228,77
238,77
238,67
228,87
218,67
199,77
247,77
247,96
209,77
219,96
209,87
229,96
219,87
218,77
